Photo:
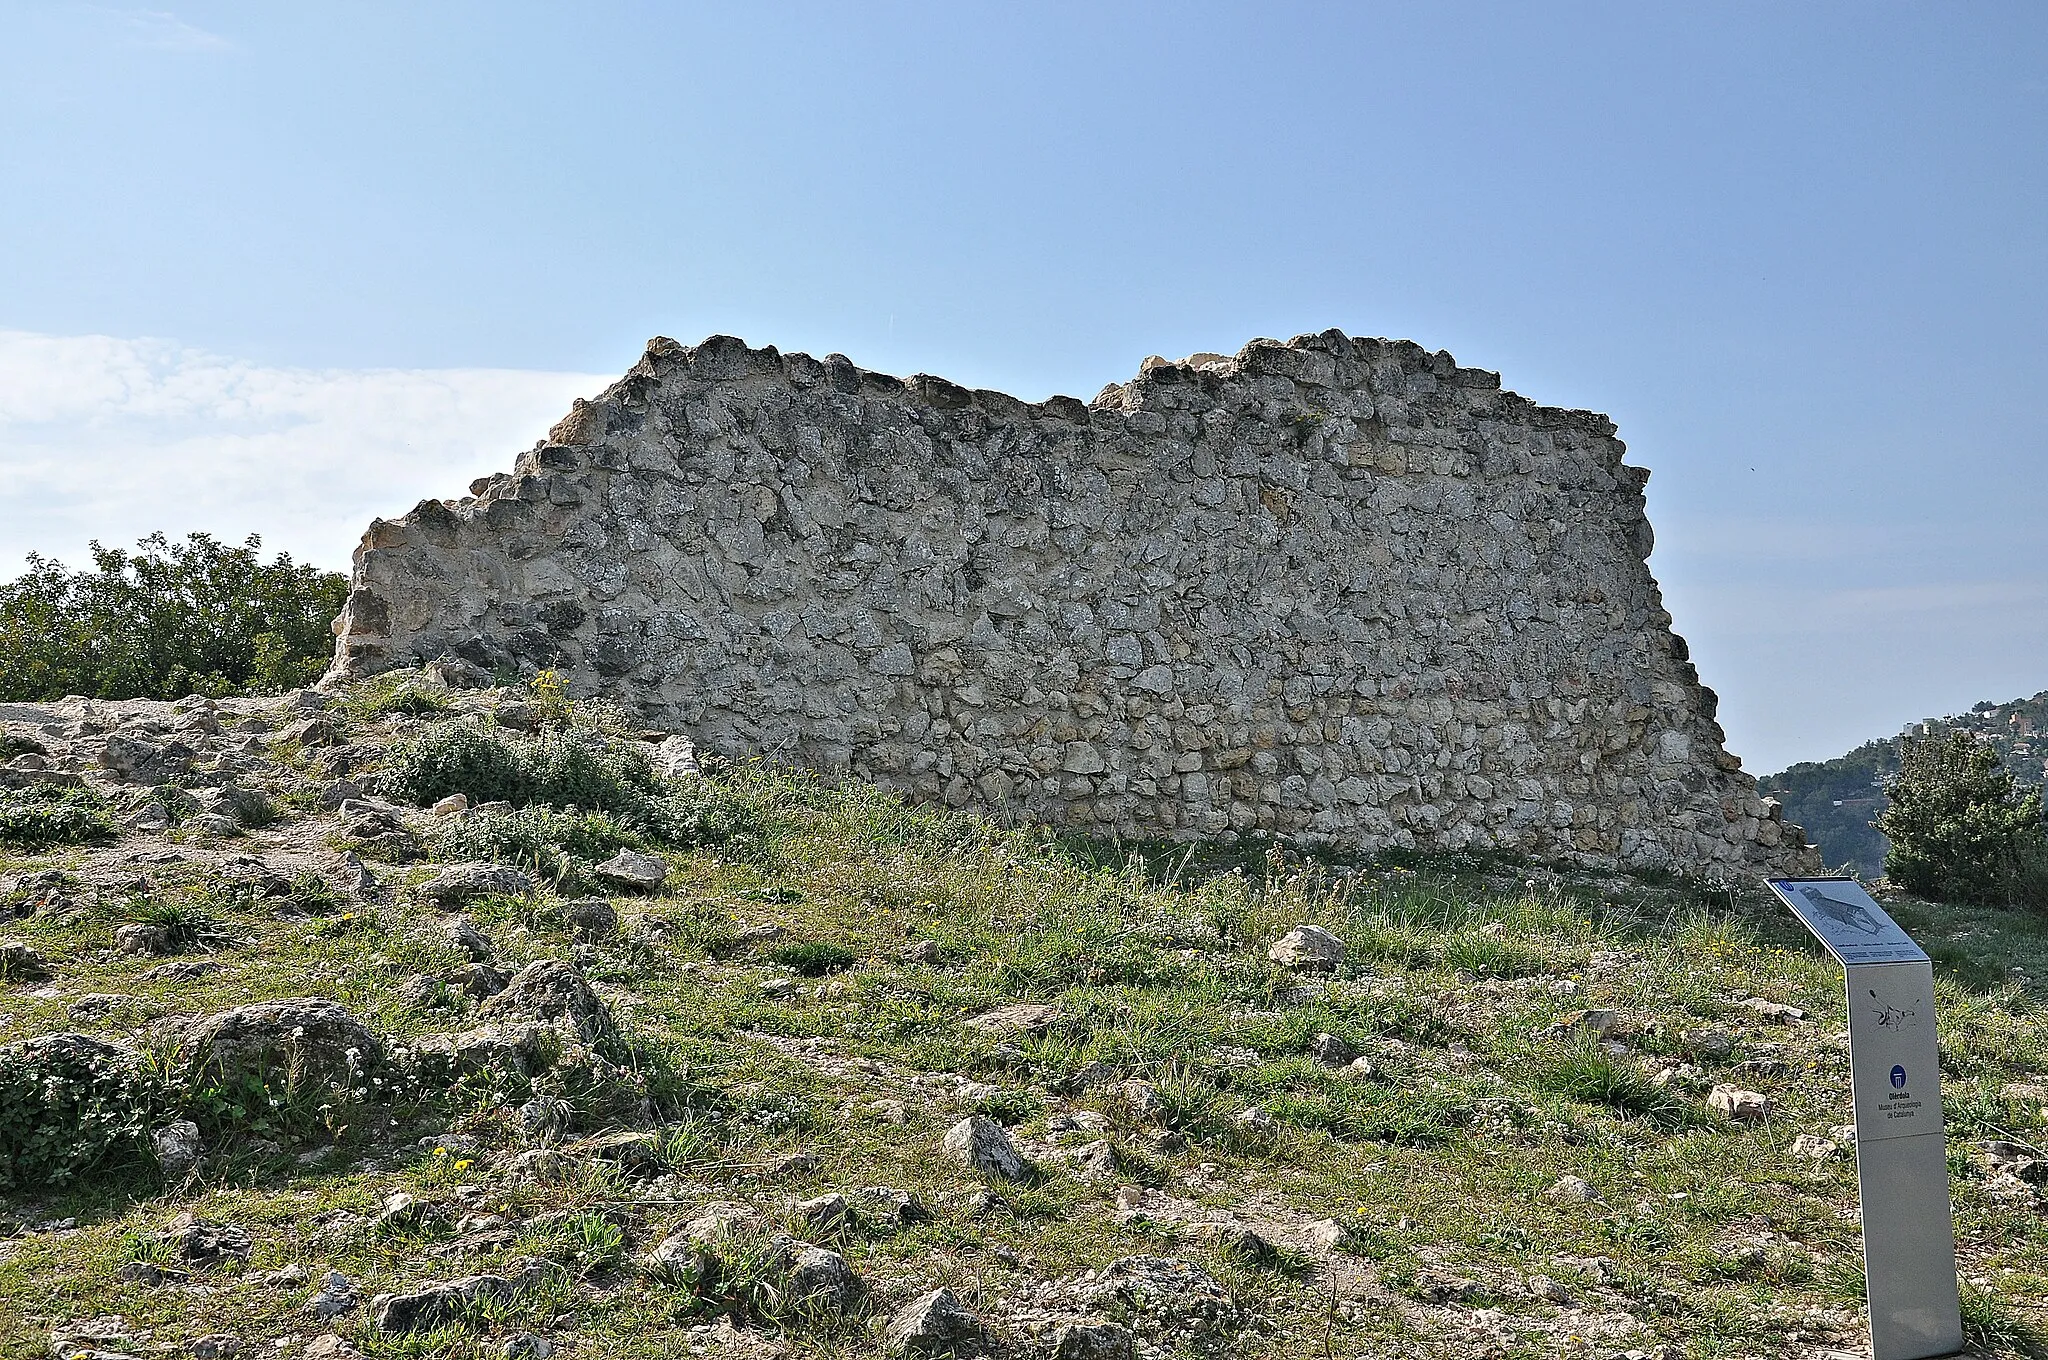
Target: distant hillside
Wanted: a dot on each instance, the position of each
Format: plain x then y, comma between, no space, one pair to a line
1836,800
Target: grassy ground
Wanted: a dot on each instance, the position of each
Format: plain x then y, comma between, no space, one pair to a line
786,1045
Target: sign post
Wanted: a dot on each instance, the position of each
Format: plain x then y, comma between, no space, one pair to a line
1909,1245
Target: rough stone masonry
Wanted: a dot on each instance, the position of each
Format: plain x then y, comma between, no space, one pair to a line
1339,590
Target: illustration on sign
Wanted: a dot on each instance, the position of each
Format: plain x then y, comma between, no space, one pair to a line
1848,920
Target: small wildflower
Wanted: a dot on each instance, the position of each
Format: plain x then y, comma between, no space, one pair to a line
462,1165
440,1152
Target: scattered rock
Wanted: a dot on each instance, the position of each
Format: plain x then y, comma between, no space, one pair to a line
316,1040
821,1278
524,1346
680,1259
1813,1146
1308,947
432,1305
217,1346
1022,1019
463,934
635,871
178,1149
144,937
934,1324
551,990
329,1346
826,1214
1168,1291
985,1148
1093,1341
198,1242
20,963
923,951
1737,1103
1772,1010
453,672
1253,1119
454,805
1327,1234
460,883
1331,1051
1571,1190
591,918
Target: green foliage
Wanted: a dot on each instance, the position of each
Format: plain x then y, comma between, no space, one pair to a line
814,958
1834,801
1960,828
560,847
168,620
69,1108
46,814
619,798
1584,1071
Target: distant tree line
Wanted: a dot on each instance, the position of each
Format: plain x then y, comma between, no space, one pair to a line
170,619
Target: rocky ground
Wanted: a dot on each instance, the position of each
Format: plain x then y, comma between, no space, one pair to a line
423,1020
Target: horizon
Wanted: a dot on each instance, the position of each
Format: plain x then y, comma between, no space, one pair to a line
280,272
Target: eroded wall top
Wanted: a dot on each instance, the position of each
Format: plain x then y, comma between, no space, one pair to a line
1336,589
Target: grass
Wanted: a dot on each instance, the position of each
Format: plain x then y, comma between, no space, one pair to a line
1436,1160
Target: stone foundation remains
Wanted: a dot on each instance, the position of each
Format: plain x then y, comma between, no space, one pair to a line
1338,590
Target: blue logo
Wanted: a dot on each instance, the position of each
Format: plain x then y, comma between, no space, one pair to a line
1898,1078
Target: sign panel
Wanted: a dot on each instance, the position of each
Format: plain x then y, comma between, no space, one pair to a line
1909,1247
1848,920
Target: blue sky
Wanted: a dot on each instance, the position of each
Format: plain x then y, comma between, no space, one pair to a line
278,268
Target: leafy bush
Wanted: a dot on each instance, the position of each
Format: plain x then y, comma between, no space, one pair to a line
69,1105
169,620
47,814
561,847
557,768
553,767
1961,830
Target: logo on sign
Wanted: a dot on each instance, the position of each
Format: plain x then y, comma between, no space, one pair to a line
1898,1078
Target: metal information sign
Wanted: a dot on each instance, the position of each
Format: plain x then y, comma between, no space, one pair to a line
1909,1245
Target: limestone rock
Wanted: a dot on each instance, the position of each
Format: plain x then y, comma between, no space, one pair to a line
21,963
1023,1019
318,1041
460,883
1093,1341
821,1278
178,1148
985,1148
1308,947
1571,1190
551,990
1737,1103
432,1305
632,870
934,1324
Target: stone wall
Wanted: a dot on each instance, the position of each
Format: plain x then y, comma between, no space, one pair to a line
1338,589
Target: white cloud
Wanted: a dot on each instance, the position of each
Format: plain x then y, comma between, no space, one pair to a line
162,29
111,439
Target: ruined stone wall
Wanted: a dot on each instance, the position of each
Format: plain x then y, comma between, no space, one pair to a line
1337,589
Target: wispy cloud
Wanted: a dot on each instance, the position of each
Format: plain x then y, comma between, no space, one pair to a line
110,438
165,31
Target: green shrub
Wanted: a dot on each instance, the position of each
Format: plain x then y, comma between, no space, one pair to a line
814,958
552,767
47,814
1586,1072
1960,828
562,847
70,1105
171,619
556,768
